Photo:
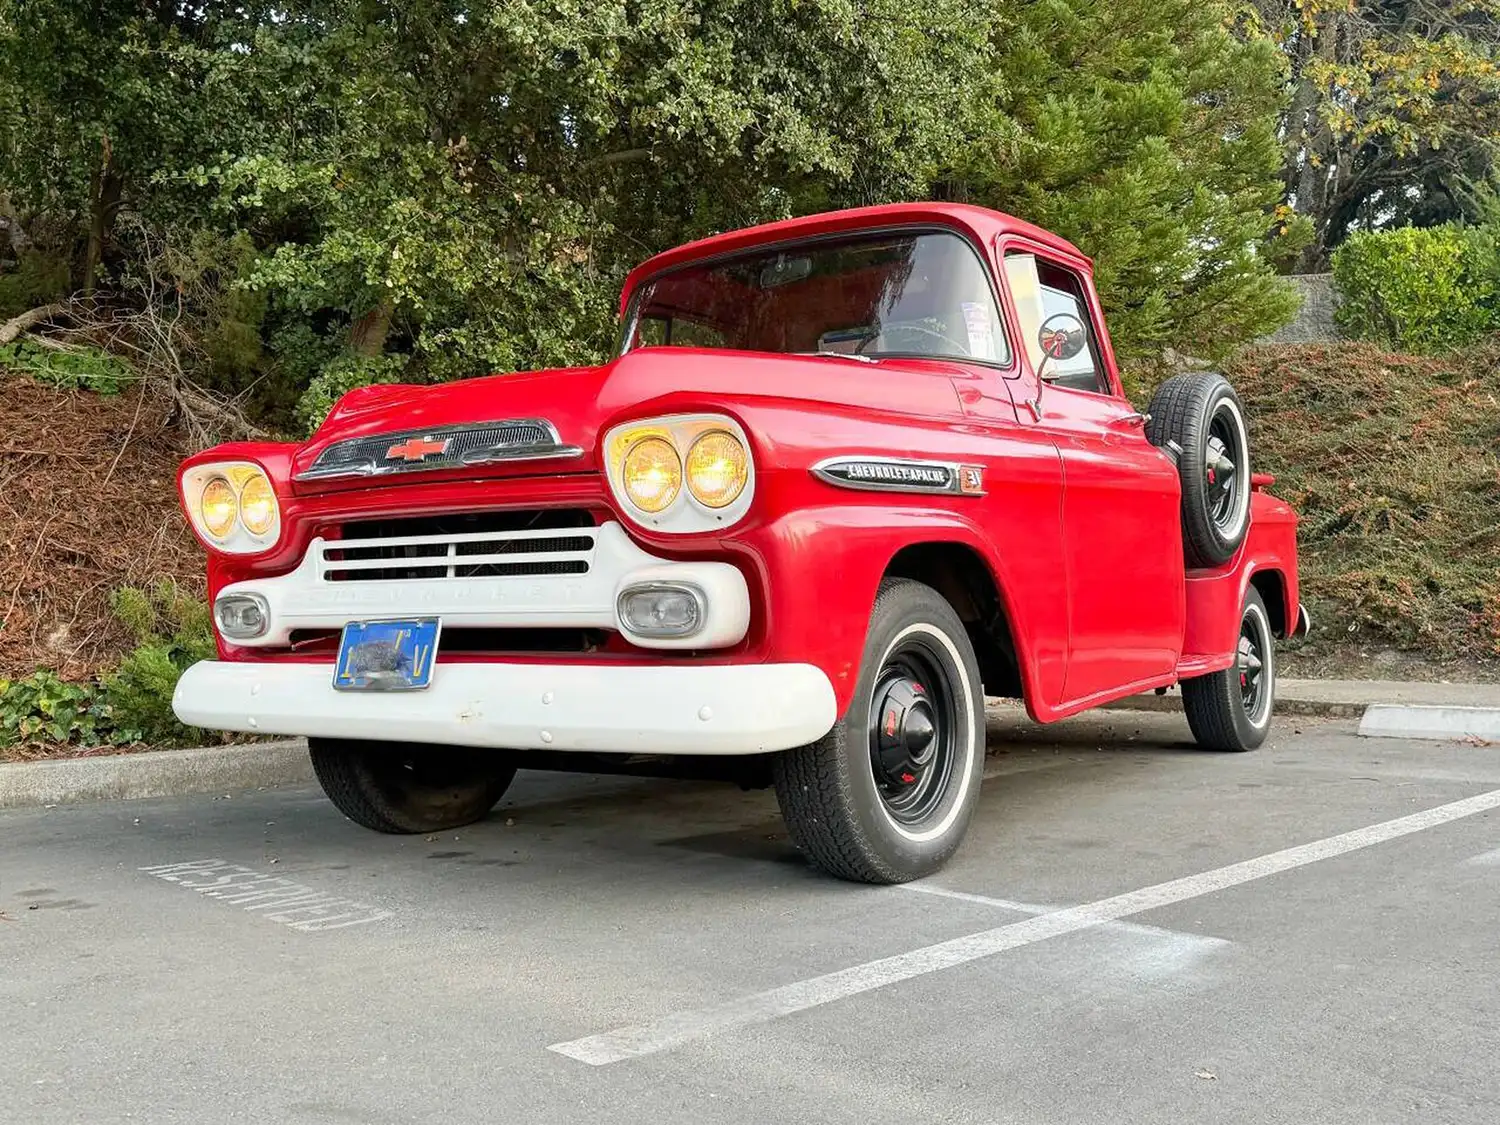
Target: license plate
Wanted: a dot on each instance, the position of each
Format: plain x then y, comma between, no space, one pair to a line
387,655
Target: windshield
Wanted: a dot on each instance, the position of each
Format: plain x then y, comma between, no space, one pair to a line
869,295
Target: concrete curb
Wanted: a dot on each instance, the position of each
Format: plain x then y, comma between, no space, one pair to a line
157,773
1445,724
1308,708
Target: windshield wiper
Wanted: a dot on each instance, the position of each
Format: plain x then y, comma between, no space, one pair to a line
840,355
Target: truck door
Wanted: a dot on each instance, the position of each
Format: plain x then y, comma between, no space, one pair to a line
1122,539
1021,513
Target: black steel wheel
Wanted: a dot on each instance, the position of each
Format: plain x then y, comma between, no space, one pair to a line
1231,710
1221,476
407,787
1199,418
912,729
887,795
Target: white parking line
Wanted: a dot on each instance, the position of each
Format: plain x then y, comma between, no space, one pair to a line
1151,952
1035,909
1484,859
685,1027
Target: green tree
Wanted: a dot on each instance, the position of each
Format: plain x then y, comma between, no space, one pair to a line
104,106
1144,132
437,188
1394,111
479,178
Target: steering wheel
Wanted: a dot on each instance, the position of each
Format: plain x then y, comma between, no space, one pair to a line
923,330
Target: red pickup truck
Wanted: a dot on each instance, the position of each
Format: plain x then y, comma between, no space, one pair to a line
845,476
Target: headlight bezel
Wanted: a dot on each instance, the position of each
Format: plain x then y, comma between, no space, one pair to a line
686,514
239,539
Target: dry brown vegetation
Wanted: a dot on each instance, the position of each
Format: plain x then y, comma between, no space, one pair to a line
1393,462
87,504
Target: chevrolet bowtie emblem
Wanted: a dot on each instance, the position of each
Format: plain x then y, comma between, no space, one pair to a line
418,449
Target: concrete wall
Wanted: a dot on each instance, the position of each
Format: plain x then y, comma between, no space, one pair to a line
1315,322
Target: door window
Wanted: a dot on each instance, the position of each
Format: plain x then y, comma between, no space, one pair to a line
1041,290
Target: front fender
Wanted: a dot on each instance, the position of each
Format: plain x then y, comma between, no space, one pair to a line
820,568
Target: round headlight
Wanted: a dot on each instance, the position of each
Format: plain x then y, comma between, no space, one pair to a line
717,469
652,474
218,507
258,505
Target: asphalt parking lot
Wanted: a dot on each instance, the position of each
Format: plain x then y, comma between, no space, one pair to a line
1307,933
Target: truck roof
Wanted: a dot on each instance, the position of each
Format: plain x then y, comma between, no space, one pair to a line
981,223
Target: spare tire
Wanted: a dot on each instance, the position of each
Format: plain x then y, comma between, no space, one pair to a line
1198,418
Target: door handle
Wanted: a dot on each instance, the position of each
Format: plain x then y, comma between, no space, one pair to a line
1137,419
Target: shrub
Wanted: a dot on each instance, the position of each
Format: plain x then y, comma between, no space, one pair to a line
37,278
172,632
132,704
341,375
1423,290
43,708
71,368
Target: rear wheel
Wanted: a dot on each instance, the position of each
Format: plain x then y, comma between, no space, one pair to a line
1231,710
407,787
886,796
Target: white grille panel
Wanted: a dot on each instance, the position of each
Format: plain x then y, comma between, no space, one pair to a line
469,580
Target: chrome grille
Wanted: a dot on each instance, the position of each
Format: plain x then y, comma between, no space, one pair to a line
480,545
452,447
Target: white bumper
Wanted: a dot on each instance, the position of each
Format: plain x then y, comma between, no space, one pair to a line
659,709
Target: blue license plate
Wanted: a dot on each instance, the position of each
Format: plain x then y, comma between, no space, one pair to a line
387,655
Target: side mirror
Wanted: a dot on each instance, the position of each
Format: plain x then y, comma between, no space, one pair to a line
1061,336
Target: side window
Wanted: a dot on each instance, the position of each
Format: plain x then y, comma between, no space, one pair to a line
1041,289
658,332
651,332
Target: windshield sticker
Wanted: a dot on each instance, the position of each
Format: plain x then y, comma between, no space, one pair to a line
981,330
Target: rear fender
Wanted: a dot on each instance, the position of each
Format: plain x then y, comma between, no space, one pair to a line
1267,559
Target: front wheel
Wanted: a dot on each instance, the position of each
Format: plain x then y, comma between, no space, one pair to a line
886,796
1231,710
406,787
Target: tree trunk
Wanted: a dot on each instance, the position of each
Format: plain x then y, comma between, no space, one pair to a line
104,202
368,333
1315,164
15,230
28,320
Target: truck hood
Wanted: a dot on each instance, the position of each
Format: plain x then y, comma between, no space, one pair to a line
563,398
579,403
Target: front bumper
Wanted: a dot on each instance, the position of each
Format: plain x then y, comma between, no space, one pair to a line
652,709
